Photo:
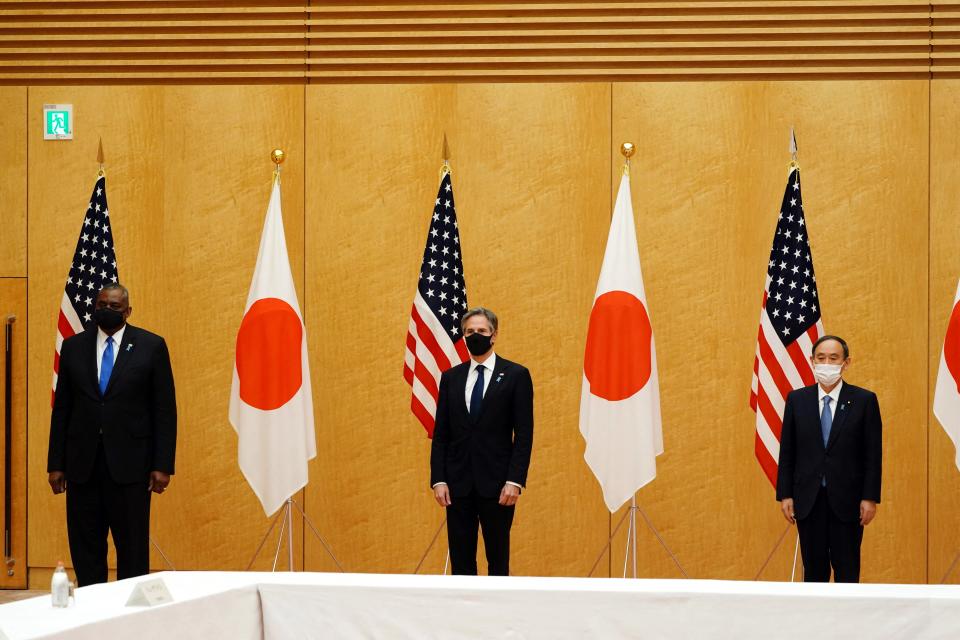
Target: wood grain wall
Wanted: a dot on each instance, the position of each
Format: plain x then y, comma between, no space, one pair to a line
534,177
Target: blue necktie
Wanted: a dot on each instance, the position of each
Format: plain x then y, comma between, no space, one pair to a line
476,397
106,365
826,419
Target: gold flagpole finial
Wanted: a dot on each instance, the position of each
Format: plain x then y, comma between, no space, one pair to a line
100,156
277,156
445,152
794,163
627,150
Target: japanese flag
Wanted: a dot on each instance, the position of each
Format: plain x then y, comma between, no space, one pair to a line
946,399
620,397
271,406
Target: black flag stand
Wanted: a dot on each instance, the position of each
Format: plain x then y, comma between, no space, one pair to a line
793,570
950,569
433,541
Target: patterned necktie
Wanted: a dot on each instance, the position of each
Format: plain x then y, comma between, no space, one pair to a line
476,396
826,419
106,365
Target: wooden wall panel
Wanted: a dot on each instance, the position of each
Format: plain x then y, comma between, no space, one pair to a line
13,181
13,302
188,179
531,181
944,479
710,173
534,174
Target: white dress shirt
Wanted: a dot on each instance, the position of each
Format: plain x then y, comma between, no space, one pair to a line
102,345
834,399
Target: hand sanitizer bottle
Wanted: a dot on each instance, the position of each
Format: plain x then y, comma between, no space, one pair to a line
60,587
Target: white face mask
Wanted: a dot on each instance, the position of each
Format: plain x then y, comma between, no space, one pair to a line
827,374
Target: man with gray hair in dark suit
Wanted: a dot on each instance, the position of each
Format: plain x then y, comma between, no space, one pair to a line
481,446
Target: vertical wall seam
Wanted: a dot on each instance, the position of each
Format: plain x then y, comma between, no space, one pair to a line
929,263
610,208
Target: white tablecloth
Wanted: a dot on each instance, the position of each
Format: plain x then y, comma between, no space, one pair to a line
206,605
315,605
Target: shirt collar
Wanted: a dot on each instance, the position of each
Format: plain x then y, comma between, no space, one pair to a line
117,337
834,394
488,364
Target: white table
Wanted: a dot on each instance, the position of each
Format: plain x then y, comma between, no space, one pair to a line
316,605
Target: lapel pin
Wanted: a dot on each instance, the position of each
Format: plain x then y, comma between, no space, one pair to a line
499,377
129,346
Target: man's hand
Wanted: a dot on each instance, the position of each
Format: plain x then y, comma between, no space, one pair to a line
158,481
868,511
509,495
786,505
58,481
442,494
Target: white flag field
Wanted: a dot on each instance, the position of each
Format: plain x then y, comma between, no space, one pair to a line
271,405
946,399
620,398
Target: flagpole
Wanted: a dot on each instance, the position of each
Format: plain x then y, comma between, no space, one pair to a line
277,156
796,550
445,153
793,166
445,170
100,173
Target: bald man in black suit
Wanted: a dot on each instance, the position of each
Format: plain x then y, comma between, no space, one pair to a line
113,437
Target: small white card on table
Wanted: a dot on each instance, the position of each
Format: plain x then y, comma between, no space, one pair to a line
149,593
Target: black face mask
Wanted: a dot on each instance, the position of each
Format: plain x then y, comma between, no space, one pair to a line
107,318
478,344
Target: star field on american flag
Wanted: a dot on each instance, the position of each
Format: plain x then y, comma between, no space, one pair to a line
94,262
793,304
441,275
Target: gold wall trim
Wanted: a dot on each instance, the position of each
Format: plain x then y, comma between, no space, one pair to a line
313,42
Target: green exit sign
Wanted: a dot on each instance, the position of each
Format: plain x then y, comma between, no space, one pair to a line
58,122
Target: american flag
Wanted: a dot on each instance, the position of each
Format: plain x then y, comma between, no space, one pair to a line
789,325
434,343
94,266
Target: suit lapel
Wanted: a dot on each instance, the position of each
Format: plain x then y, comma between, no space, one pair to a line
813,405
460,383
123,357
90,348
840,415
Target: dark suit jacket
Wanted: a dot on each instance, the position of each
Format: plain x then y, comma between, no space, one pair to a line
137,414
483,453
851,461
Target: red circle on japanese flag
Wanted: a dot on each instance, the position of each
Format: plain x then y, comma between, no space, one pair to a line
951,346
618,357
269,354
